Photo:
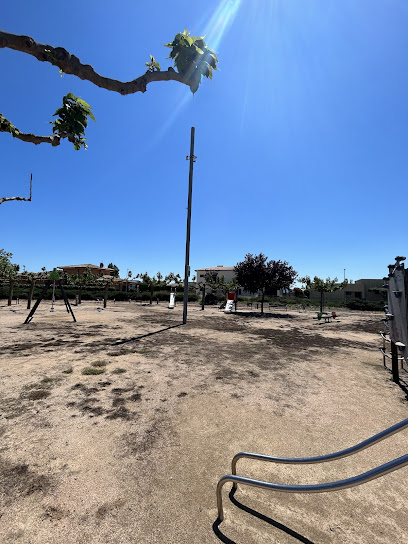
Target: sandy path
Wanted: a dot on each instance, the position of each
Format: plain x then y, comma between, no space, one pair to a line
134,454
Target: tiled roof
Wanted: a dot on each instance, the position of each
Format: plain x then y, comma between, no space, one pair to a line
84,266
216,268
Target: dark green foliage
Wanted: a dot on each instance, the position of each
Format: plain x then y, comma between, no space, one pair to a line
365,305
7,268
115,272
73,119
192,58
255,274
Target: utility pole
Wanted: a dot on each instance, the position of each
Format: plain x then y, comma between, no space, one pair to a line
192,159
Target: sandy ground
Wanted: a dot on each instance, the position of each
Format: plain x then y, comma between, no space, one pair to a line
133,455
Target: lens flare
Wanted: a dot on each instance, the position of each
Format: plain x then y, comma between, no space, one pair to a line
215,27
220,22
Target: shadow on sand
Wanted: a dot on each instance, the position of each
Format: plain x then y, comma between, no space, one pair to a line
260,516
136,338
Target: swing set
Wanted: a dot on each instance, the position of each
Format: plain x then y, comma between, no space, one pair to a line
54,279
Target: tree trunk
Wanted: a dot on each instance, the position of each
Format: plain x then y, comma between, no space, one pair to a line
262,302
203,298
11,287
105,294
321,301
151,294
80,295
30,294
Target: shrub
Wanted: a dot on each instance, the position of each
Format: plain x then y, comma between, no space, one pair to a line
365,305
91,370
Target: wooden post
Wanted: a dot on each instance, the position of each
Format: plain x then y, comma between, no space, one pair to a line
11,287
192,158
30,294
105,294
394,355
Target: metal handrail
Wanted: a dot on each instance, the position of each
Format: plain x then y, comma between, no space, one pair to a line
383,336
314,488
322,458
375,473
384,321
390,356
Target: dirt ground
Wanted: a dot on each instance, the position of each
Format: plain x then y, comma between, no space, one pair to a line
133,454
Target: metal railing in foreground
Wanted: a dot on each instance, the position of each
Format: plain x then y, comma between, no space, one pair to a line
316,488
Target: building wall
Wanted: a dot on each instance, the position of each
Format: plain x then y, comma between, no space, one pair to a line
360,289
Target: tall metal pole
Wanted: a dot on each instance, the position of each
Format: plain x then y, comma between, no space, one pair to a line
192,159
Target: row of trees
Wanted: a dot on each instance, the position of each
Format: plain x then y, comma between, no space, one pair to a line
255,274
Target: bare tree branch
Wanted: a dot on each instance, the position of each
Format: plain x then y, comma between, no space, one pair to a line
8,198
53,139
70,64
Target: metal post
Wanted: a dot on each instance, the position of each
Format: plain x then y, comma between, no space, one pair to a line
192,159
394,354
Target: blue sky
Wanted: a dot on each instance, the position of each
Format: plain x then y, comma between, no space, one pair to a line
301,137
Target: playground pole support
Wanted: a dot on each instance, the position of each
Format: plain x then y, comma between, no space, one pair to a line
37,302
394,356
192,159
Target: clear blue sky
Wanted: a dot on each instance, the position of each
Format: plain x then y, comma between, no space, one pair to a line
301,137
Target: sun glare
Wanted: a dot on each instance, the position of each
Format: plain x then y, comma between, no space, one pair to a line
220,21
215,27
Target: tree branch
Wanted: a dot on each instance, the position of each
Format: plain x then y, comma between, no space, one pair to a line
70,64
53,139
8,198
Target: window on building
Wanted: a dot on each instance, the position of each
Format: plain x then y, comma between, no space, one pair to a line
358,294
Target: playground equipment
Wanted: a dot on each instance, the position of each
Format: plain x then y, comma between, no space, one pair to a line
232,297
395,320
54,278
315,488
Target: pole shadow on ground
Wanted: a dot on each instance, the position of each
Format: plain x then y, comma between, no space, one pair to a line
136,338
260,516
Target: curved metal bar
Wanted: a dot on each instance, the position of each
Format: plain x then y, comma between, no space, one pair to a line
389,356
383,336
314,488
385,354
322,458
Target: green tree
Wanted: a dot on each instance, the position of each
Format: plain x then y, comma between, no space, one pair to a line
86,279
192,58
153,282
323,286
255,273
30,278
115,272
8,272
